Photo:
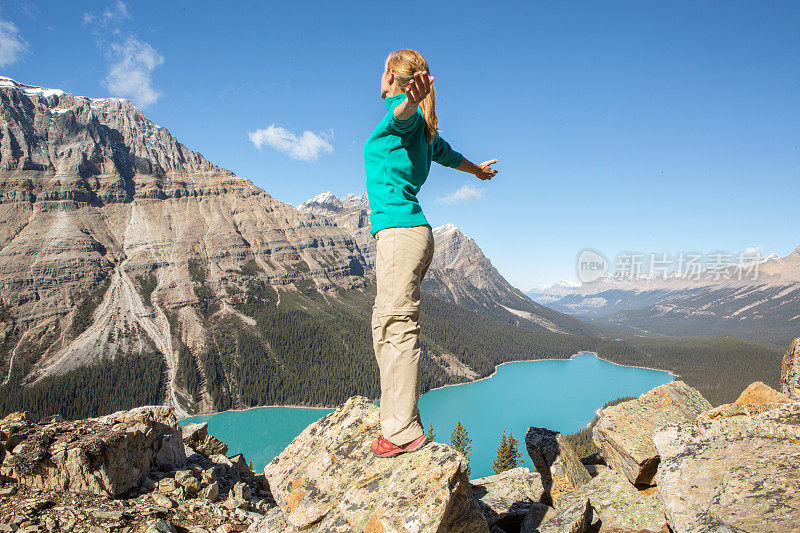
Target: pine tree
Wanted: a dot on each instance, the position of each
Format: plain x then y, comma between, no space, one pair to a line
459,439
508,455
514,454
500,463
431,434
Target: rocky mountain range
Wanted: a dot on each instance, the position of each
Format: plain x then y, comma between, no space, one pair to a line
459,271
755,302
95,196
126,257
553,292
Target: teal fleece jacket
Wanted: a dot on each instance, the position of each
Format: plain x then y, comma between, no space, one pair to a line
397,160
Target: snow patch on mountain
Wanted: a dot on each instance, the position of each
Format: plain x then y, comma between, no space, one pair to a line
448,228
553,292
30,90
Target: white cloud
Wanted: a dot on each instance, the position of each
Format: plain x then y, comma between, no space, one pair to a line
753,250
465,195
132,60
115,14
306,147
12,45
129,75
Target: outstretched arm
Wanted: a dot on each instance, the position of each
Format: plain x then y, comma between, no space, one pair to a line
445,155
418,88
484,171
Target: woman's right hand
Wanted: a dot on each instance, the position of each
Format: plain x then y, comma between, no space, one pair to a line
418,88
485,170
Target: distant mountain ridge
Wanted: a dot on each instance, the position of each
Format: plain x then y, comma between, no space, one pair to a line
725,300
459,272
551,293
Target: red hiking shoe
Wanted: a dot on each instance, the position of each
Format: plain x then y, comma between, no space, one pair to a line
383,448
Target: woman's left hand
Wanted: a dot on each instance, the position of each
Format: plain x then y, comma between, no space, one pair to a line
485,170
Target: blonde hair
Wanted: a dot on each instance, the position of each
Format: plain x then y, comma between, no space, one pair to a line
405,63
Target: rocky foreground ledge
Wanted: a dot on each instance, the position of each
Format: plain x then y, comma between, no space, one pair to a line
669,462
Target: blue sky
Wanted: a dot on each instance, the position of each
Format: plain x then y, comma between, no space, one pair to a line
619,126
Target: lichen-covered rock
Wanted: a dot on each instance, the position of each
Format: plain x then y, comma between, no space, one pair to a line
187,480
196,437
211,492
160,526
594,459
757,398
573,518
240,464
617,504
505,498
556,461
732,474
595,470
107,455
328,479
624,432
760,392
14,428
790,371
274,521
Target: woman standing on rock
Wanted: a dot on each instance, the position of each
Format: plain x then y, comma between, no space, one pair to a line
397,159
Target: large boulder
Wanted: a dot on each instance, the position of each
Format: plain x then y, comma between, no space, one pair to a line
574,518
197,438
328,479
505,498
556,461
624,432
732,474
790,371
617,505
757,398
109,455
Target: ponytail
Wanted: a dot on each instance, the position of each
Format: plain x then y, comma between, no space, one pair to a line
405,63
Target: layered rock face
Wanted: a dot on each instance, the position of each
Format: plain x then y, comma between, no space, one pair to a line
328,479
624,431
96,197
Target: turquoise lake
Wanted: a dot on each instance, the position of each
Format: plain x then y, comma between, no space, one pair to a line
562,395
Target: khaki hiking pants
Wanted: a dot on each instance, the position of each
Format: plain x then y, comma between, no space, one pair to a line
402,258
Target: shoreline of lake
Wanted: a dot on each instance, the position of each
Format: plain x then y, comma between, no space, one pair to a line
560,394
244,409
551,359
296,406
